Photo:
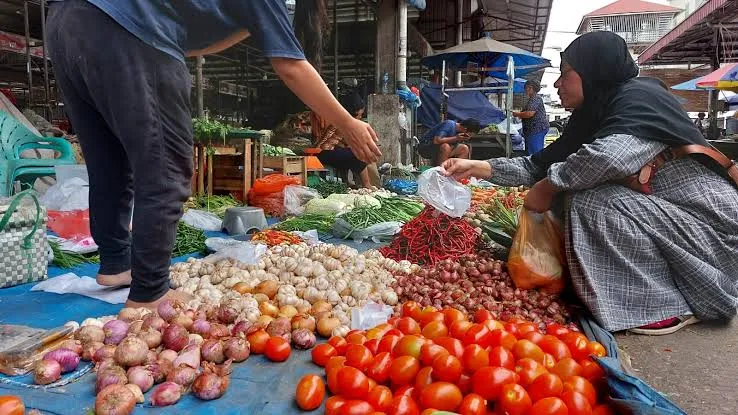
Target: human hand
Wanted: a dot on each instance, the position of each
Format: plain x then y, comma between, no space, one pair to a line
463,136
362,140
461,169
540,196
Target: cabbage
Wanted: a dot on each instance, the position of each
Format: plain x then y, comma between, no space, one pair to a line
355,200
325,207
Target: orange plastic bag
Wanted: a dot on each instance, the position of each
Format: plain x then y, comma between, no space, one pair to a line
273,183
537,258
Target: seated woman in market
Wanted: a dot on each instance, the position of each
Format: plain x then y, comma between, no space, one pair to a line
443,140
334,152
651,226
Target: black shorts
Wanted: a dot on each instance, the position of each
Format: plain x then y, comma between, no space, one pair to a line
429,150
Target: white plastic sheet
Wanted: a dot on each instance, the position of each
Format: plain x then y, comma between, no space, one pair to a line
371,315
200,219
72,194
72,284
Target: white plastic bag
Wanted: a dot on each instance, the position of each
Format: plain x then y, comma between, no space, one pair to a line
371,315
376,233
200,219
444,193
296,197
243,251
72,194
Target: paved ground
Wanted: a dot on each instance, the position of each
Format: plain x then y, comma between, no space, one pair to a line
697,367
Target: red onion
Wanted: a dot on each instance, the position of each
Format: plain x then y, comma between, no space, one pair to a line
237,349
201,327
151,357
135,327
212,382
168,393
103,353
190,314
303,339
153,321
181,319
136,392
115,331
105,364
73,345
227,313
115,400
195,339
110,376
141,377
218,330
131,352
189,356
182,375
242,327
160,370
88,334
175,337
207,311
65,357
280,327
167,309
212,351
46,371
151,337
168,354
89,349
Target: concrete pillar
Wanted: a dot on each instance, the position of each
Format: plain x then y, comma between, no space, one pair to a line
387,41
383,113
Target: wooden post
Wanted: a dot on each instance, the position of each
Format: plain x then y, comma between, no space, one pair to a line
210,174
247,172
200,169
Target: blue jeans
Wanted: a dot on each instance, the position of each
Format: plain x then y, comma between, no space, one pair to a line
534,142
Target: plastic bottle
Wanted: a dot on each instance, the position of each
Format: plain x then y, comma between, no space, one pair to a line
385,83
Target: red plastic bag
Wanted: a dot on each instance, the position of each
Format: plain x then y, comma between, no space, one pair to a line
273,183
72,225
537,258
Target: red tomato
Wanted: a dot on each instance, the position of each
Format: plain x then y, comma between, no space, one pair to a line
459,328
379,369
11,405
549,406
432,316
429,411
525,328
528,370
464,383
548,361
378,331
577,344
527,349
409,308
277,349
487,382
454,346
493,325
409,346
403,370
545,386
332,378
338,343
513,329
434,329
583,386
534,336
355,331
358,356
423,379
591,370
482,315
356,338
321,353
475,357
502,338
514,400
430,351
258,341
447,368
403,405
310,392
335,362
388,343
352,383
407,326
603,410
442,396
380,398
372,345
576,403
473,404
333,405
596,349
356,407
554,347
406,390
556,329
502,357
393,332
477,334
566,368
452,315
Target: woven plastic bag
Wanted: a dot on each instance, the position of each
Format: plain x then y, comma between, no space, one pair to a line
537,257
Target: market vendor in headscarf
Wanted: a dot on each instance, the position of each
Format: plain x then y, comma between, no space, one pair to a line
535,120
651,212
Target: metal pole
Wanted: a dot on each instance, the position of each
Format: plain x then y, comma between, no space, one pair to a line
402,50
444,96
712,103
47,109
459,32
199,86
29,101
335,47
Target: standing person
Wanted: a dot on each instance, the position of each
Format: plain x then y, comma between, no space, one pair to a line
700,122
120,65
535,120
443,140
651,212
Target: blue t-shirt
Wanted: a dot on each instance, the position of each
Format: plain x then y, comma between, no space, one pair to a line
443,129
175,27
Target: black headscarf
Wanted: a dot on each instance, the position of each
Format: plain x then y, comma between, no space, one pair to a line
616,101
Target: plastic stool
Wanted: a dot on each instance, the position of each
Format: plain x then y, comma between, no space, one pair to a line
242,220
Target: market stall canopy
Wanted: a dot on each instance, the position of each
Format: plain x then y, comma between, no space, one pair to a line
491,57
461,105
725,78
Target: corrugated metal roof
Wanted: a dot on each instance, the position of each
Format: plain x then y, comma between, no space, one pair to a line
632,6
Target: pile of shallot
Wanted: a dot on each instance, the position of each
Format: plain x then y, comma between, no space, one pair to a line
478,281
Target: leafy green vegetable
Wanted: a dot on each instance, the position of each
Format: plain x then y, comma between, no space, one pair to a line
204,130
189,240
306,222
214,204
65,259
329,187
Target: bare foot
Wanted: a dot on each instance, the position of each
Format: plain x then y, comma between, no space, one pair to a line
116,280
170,295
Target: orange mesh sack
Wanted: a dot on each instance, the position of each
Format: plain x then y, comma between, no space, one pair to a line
537,257
274,183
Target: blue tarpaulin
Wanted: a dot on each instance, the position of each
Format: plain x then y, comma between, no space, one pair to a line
461,105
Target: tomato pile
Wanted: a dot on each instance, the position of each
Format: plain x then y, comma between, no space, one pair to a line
428,360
